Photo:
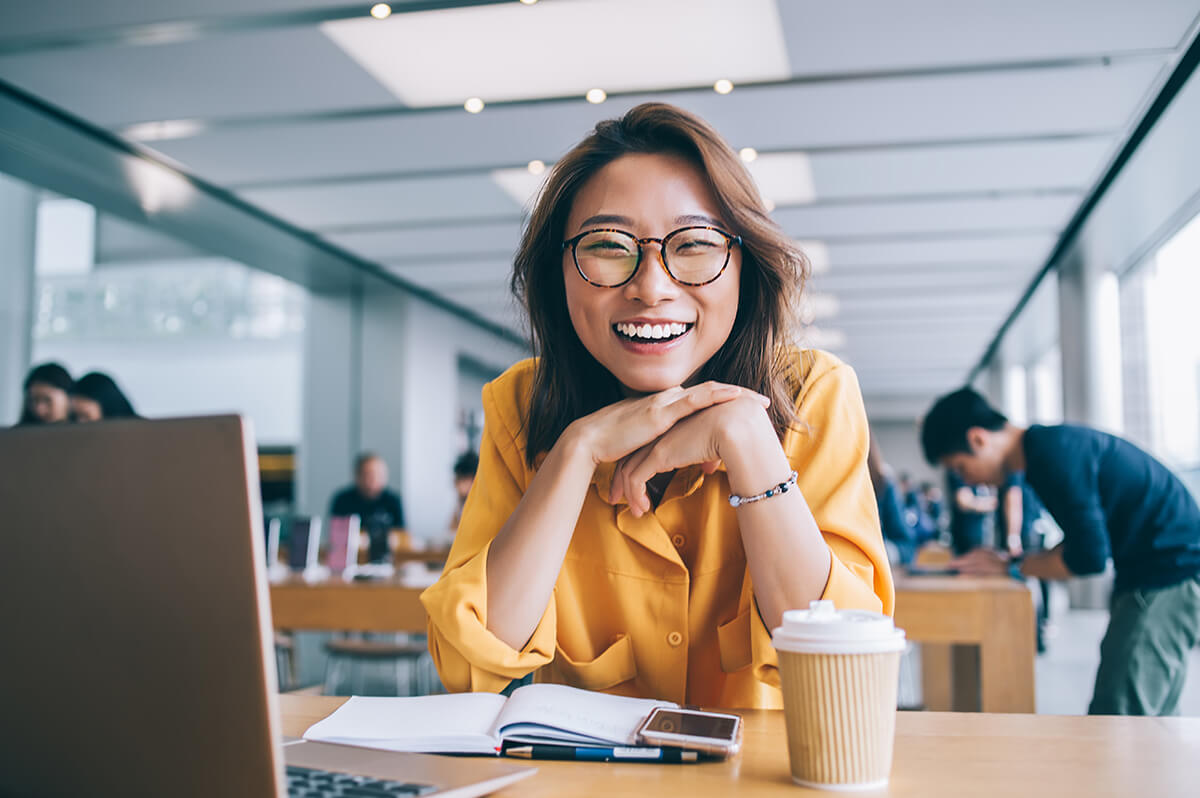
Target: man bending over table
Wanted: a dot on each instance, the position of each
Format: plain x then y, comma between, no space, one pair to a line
1111,499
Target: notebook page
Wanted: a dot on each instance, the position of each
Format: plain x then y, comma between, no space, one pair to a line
459,723
555,712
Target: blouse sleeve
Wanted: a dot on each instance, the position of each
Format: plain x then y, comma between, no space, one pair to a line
828,450
467,655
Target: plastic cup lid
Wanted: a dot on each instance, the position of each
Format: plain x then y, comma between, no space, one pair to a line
823,628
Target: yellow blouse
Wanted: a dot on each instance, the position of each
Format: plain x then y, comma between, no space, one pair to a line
659,606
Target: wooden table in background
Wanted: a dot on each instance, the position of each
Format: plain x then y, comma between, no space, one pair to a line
992,616
978,640
367,606
937,755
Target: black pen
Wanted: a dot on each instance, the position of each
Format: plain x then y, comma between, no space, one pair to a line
595,754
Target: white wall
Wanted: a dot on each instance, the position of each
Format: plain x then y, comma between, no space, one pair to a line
18,208
900,443
434,341
382,373
259,379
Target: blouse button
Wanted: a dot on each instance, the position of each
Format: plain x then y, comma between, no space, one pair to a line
678,541
675,638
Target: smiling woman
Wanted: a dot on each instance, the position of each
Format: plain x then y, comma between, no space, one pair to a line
670,473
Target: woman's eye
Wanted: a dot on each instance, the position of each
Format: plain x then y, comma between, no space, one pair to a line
609,248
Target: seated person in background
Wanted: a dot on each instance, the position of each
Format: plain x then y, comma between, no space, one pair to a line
899,534
669,474
934,505
379,509
1110,498
971,508
47,395
464,476
95,396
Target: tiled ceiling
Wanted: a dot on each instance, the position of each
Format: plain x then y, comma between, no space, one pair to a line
929,152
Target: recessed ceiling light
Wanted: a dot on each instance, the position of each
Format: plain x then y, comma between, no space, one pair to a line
528,2
748,154
723,86
473,105
381,11
596,96
536,167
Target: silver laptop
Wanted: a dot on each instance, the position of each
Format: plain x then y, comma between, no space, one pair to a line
136,625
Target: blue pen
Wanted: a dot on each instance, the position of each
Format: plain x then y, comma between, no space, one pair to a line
593,754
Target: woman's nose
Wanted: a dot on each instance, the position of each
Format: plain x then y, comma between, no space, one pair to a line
652,284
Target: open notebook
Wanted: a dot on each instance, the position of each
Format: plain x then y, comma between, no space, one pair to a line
479,723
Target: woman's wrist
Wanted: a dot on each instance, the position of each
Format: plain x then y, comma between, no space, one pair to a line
754,459
577,442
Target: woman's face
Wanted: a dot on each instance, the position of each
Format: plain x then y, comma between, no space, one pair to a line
48,403
85,409
650,196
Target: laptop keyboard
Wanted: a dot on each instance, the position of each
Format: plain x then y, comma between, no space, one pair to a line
310,783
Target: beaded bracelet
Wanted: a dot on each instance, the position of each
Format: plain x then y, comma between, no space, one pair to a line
782,487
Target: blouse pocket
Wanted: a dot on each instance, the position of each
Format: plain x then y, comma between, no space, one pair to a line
613,665
733,638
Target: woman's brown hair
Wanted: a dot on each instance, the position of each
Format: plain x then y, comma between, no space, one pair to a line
568,382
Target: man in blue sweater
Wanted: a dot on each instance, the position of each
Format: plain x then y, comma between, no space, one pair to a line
1111,500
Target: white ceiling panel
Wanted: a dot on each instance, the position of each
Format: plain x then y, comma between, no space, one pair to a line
449,275
382,201
868,219
827,37
1017,249
1056,164
293,70
939,108
413,244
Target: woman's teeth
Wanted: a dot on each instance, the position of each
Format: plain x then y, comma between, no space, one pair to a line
652,332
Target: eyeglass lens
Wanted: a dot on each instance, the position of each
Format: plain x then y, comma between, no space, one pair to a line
691,255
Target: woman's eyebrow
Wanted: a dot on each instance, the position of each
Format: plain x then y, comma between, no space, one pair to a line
606,218
688,219
699,219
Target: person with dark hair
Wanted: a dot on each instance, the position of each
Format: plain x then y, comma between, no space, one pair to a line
378,508
95,396
670,473
464,477
1111,499
47,395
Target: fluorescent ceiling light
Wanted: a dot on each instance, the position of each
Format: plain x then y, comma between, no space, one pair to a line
520,184
785,178
164,130
502,52
818,255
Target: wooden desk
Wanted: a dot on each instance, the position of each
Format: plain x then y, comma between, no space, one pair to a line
994,614
369,606
937,755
